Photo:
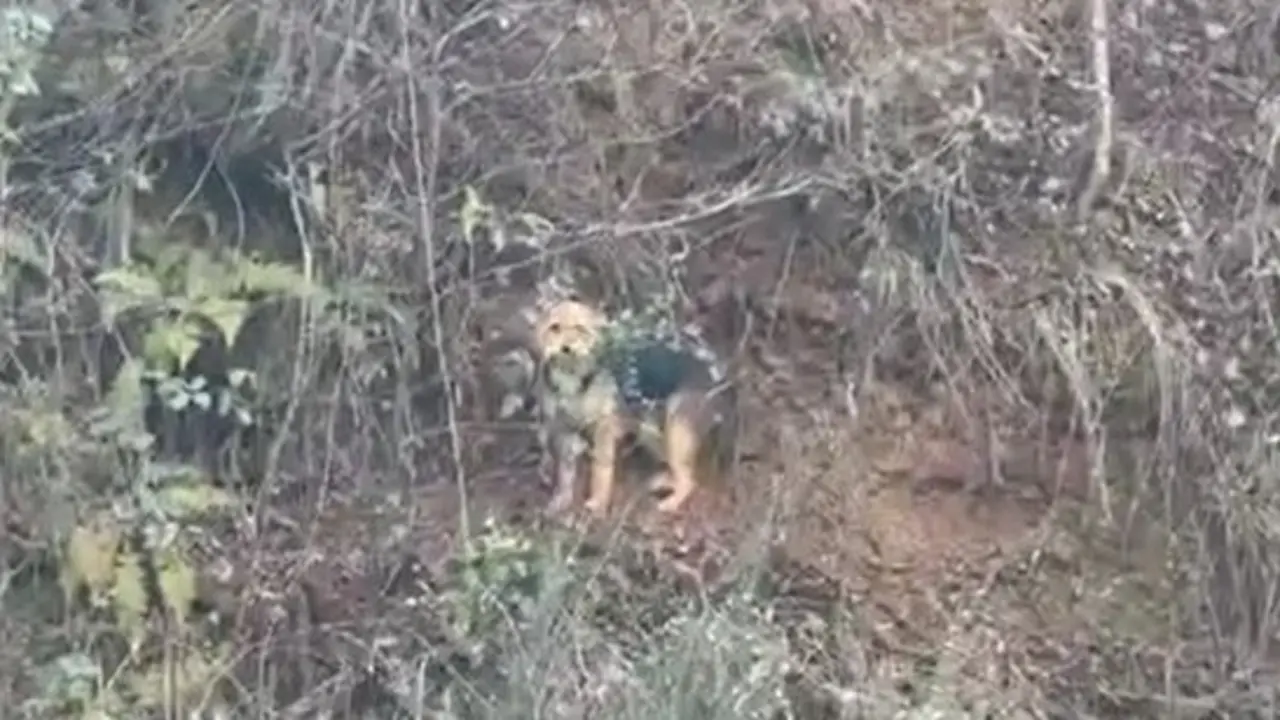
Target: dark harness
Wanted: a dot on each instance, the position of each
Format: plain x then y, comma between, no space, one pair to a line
645,374
649,373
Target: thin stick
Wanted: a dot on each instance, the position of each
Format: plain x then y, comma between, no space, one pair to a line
425,176
1101,170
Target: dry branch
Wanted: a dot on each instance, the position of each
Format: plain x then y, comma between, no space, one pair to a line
1101,169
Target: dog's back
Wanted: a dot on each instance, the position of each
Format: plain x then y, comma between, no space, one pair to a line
654,372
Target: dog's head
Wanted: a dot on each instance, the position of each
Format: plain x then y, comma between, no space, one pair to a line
568,333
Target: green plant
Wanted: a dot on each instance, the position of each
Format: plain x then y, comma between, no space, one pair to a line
479,219
726,661
23,35
182,297
500,575
123,534
128,523
181,292
75,685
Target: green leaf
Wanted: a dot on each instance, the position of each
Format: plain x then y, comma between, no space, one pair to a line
241,377
131,279
69,679
188,500
125,401
90,559
177,580
206,277
45,428
169,387
129,596
178,401
170,259
128,288
172,341
228,314
273,278
474,211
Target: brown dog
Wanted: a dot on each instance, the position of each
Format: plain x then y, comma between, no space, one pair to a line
598,389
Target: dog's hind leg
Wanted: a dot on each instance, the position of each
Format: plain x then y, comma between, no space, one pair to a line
682,458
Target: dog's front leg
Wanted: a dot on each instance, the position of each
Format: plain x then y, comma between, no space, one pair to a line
566,452
548,454
605,438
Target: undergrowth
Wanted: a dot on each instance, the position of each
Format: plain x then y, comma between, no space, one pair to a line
257,265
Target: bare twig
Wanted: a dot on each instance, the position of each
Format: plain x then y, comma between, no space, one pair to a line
426,164
304,344
1101,170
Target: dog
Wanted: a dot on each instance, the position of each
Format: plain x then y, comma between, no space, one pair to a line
665,392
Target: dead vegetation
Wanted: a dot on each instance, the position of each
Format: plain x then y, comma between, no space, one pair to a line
1001,287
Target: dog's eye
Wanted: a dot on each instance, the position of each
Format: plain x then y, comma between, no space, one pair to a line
554,328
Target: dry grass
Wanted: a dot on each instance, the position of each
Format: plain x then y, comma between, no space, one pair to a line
1007,341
